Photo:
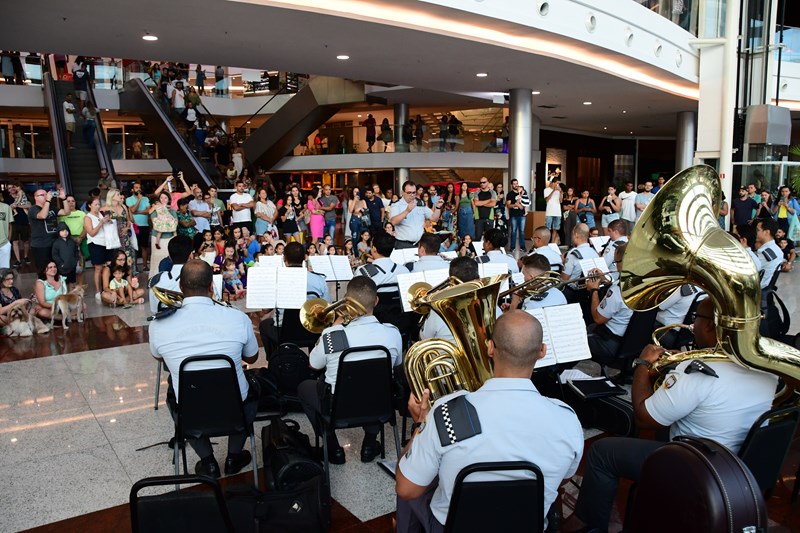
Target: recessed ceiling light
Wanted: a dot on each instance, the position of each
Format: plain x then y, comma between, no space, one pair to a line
359,116
148,37
536,92
587,103
481,74
248,122
343,57
623,111
605,128
631,133
108,110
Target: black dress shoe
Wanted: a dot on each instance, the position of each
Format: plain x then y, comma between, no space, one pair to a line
207,467
335,455
234,463
370,450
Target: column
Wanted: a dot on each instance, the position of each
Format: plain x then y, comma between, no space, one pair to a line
520,138
400,119
400,176
685,140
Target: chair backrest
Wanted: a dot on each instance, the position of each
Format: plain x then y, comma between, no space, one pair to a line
637,335
766,445
364,388
292,330
209,400
193,510
504,505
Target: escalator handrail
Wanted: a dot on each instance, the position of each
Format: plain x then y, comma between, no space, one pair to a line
103,155
282,90
56,119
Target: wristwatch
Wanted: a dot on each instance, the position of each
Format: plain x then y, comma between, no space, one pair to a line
639,361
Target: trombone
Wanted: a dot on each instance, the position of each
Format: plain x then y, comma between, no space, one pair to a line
316,314
545,281
173,300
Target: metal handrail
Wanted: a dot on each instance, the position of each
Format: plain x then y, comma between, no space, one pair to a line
100,145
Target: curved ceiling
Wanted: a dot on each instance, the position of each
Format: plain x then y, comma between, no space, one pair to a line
432,65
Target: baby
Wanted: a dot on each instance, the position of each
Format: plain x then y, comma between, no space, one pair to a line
232,279
120,286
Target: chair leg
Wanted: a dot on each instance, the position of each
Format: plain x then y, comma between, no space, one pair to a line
404,420
158,383
383,444
183,452
325,464
397,447
255,458
175,460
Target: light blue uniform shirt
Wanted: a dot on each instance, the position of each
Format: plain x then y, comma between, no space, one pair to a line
551,298
496,256
429,262
551,255
200,327
517,424
573,265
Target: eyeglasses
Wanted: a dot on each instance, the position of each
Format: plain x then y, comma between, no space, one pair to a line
410,192
695,316
484,182
41,194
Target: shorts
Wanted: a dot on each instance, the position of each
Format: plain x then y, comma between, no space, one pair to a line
21,233
143,237
98,254
81,95
553,222
70,127
605,219
70,276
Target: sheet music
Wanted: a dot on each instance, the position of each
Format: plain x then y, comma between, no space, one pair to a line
564,334
478,245
291,287
209,257
598,243
341,268
448,255
322,265
493,269
275,261
568,332
518,278
261,287
401,256
587,265
405,281
217,281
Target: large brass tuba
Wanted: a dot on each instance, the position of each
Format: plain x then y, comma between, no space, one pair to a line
677,240
469,310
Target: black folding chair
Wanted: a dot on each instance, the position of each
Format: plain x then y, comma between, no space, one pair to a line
364,395
196,511
210,405
507,505
767,444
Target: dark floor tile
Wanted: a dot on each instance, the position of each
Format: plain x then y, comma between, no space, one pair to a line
382,524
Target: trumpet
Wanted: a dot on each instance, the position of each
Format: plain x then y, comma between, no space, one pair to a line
173,300
418,291
316,314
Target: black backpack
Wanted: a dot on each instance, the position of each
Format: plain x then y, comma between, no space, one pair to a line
778,319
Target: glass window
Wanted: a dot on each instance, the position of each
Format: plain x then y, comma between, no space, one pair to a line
42,142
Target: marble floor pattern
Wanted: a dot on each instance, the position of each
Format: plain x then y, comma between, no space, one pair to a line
77,417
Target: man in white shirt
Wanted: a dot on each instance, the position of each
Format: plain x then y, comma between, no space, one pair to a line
768,251
552,213
241,204
201,211
618,235
69,119
541,240
408,218
180,250
644,198
628,210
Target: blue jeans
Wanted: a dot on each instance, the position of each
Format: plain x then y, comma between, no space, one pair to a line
355,229
330,227
517,228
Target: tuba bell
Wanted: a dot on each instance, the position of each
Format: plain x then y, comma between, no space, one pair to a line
677,240
173,300
444,367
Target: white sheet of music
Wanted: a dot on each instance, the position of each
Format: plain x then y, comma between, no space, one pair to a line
598,243
478,245
435,277
275,261
568,331
401,256
587,265
291,287
448,255
494,269
209,257
321,264
564,334
341,268
404,282
261,287
217,283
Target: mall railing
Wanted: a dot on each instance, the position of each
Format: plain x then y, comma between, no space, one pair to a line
684,13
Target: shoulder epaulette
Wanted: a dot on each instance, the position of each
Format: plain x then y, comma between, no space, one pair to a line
456,421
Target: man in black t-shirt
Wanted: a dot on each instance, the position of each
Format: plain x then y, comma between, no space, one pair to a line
742,208
44,225
484,200
375,206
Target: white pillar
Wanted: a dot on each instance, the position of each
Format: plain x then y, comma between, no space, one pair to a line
685,141
520,137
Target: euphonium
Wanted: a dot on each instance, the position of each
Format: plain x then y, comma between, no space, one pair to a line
316,314
468,309
677,240
420,289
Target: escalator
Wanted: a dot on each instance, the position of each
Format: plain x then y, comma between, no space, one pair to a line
305,112
78,168
136,98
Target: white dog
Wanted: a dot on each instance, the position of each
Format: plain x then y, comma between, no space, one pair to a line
22,323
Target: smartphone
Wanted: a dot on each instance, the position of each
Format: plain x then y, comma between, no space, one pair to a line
175,172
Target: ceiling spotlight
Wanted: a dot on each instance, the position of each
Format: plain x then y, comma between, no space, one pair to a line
536,92
481,74
343,57
359,116
623,111
631,133
248,122
605,128
148,37
587,103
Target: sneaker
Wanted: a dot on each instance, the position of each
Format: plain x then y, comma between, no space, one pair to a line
97,296
27,261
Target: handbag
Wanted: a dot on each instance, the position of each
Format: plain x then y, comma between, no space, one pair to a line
134,238
366,220
111,235
794,228
307,217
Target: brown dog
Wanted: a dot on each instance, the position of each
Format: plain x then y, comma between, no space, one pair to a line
22,323
67,304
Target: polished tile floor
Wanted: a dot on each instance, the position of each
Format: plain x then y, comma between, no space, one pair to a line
77,426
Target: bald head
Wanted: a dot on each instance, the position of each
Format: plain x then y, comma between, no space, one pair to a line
580,234
196,278
516,344
543,233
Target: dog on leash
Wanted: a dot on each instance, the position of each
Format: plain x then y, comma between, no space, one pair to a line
23,323
68,303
